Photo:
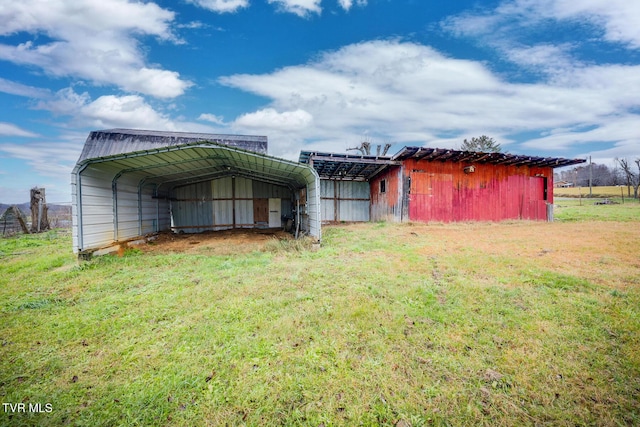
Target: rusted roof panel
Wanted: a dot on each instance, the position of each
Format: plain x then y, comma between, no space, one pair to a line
443,154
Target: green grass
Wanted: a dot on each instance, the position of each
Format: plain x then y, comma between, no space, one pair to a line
571,209
383,325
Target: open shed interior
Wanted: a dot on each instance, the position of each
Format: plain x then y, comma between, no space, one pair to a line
189,187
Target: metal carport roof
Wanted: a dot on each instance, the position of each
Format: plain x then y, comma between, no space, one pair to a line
202,160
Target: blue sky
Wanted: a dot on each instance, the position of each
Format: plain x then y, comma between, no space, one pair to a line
543,77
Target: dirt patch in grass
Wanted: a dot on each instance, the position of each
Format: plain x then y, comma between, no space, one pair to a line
226,242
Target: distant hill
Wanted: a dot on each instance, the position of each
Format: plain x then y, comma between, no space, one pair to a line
59,215
26,208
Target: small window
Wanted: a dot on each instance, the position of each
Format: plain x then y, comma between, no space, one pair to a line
383,186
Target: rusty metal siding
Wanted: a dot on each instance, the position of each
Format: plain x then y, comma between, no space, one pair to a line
387,205
442,191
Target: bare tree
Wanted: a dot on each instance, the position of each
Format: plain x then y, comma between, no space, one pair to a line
364,148
384,150
482,144
632,178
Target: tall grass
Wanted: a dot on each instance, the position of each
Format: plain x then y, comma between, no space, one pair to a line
384,324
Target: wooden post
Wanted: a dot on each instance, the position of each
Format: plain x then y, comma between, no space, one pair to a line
580,192
39,220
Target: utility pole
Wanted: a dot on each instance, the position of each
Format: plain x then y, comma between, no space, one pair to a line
590,178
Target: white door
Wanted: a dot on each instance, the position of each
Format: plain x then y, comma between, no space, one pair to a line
275,219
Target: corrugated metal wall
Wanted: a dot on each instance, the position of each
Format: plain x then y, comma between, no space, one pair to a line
441,191
97,206
223,203
164,213
148,220
310,210
192,208
344,201
244,202
128,214
387,205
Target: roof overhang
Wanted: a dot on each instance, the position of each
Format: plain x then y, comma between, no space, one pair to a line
346,167
443,155
173,166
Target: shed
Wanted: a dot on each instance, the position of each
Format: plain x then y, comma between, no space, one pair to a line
129,183
432,184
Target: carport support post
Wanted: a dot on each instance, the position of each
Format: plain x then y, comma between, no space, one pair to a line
233,199
114,195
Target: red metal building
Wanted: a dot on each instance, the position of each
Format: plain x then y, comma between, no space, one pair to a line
431,184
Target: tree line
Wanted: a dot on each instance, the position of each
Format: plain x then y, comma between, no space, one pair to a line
624,172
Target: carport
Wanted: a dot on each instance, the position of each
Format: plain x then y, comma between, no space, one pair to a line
130,183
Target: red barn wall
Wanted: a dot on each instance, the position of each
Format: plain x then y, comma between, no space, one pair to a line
387,206
442,191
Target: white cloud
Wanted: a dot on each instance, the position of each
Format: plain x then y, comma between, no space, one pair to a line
9,129
219,120
109,111
47,158
546,58
618,18
15,88
125,111
271,119
408,93
93,40
301,8
221,6
45,163
621,130
346,4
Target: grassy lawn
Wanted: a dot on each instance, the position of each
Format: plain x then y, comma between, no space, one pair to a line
572,209
517,323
